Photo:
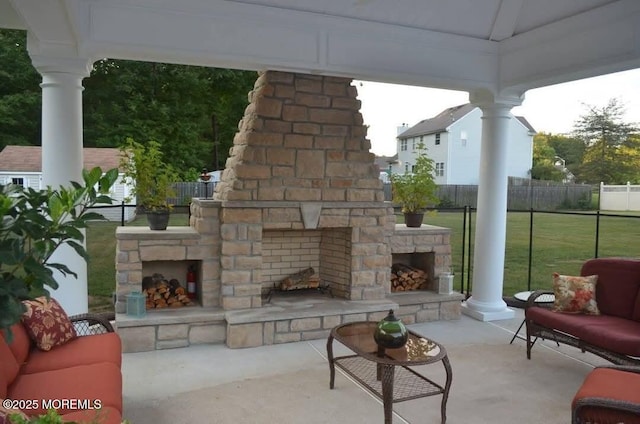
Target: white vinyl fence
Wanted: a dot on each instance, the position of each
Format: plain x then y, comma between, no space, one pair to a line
620,197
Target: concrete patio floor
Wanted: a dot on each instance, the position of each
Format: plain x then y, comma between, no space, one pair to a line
493,382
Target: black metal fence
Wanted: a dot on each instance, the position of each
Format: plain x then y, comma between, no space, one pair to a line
572,249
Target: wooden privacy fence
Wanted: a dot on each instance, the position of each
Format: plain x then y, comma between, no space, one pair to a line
185,191
522,194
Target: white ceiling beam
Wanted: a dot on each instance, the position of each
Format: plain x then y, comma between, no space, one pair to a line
247,36
599,41
9,18
506,19
46,20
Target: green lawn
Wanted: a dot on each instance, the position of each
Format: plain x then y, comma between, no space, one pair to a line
561,243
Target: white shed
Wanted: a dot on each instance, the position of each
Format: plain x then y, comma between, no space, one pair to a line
23,165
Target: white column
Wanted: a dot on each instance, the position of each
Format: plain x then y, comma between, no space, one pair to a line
62,159
486,302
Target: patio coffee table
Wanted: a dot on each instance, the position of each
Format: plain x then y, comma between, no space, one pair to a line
387,373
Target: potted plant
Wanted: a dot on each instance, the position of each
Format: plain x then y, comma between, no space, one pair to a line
151,179
35,223
416,190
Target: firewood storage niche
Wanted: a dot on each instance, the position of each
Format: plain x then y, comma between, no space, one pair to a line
412,271
165,284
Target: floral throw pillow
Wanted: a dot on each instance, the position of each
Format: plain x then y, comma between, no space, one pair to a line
575,295
47,323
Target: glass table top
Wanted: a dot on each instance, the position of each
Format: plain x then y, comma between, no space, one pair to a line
358,336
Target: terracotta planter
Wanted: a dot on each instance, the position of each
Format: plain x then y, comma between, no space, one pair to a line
413,219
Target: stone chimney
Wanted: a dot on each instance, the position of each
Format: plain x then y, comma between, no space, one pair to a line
301,139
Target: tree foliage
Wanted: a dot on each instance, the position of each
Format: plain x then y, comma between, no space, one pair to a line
20,93
608,141
172,104
549,150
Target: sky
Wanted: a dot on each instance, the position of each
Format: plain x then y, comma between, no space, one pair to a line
552,109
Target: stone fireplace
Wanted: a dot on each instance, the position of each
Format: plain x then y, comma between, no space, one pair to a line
300,189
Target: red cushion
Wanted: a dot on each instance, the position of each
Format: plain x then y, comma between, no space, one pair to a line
101,382
106,415
85,350
607,383
8,365
20,343
612,333
618,284
47,323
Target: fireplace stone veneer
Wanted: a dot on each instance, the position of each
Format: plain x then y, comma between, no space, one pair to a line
299,318
300,188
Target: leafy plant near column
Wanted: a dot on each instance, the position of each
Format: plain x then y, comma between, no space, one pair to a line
415,191
35,223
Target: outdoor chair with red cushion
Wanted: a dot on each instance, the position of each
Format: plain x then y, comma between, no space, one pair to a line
608,395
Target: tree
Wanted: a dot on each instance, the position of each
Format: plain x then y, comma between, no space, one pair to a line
544,157
607,141
20,93
172,104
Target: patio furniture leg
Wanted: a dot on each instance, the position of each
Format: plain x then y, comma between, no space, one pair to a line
447,386
332,367
517,331
529,344
387,392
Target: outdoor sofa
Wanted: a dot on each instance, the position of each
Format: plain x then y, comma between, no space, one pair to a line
81,377
614,332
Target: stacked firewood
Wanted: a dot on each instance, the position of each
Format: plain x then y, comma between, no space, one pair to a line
164,294
405,278
305,279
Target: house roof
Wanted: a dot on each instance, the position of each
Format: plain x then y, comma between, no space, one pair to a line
29,158
441,121
526,123
438,123
384,161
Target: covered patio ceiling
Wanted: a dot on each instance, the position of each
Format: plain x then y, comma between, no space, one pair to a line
503,46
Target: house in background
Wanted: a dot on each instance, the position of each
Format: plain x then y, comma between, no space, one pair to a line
23,165
385,166
452,139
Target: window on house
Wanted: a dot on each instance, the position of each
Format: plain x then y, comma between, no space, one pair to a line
463,138
403,145
413,144
406,168
17,181
421,138
437,139
440,169
413,169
